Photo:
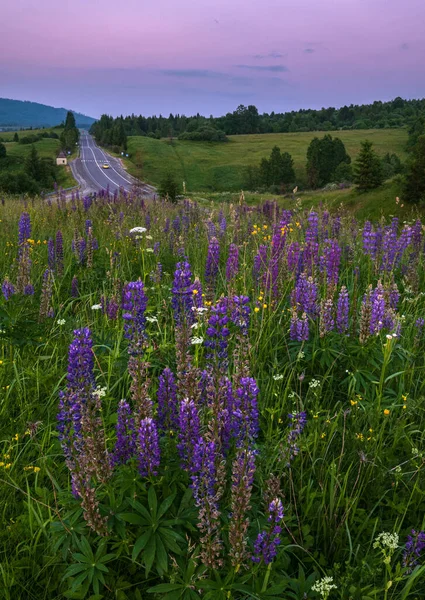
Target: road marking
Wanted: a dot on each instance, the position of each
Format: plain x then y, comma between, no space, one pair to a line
102,171
119,174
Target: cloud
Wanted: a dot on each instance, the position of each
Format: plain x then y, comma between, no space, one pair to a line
309,51
404,46
270,55
193,73
270,68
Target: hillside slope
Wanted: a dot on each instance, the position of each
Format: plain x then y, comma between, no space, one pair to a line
17,113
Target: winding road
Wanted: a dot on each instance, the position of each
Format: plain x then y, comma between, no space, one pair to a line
90,173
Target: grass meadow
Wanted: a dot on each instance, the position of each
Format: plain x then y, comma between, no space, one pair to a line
210,400
220,166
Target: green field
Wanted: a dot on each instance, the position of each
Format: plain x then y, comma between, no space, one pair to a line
220,167
46,148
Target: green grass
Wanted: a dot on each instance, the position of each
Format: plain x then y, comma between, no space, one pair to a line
220,167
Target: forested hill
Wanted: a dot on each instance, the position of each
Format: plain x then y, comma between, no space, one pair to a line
247,120
16,113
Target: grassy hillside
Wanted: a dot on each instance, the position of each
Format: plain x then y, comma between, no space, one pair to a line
220,167
16,113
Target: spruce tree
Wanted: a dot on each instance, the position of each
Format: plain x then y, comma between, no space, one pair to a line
2,150
367,169
33,167
414,186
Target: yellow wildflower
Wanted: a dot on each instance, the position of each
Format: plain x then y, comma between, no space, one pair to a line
386,412
256,309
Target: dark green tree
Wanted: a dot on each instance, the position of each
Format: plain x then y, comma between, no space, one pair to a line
70,134
3,151
414,185
323,157
70,121
278,169
415,131
367,169
33,165
16,137
169,188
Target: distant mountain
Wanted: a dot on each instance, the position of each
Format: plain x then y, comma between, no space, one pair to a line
16,113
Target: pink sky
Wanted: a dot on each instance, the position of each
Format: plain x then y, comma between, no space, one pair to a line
208,56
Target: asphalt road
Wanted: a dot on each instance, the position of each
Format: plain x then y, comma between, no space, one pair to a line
90,173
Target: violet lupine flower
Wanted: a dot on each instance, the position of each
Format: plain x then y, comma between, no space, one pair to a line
168,417
134,302
293,256
260,261
414,550
240,313
312,231
336,227
148,448
327,321
403,243
218,332
51,254
389,249
59,252
182,293
198,301
245,413
342,311
265,546
207,488
74,287
332,253
377,315
7,288
24,228
304,295
297,423
394,296
419,324
232,265
125,446
369,240
211,230
148,221
29,290
110,307
176,225
299,329
242,480
156,248
46,309
213,257
189,433
88,225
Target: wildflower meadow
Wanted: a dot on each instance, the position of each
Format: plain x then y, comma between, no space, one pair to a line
210,401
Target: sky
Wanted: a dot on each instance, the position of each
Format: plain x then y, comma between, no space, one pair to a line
208,56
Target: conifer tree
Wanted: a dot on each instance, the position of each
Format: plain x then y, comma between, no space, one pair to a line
367,169
414,186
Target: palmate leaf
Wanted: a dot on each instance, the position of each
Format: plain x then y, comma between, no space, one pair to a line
153,502
140,544
161,556
149,554
141,510
165,505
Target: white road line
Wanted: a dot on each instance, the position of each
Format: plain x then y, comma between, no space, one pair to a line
102,171
119,174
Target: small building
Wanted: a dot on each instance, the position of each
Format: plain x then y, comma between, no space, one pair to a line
61,159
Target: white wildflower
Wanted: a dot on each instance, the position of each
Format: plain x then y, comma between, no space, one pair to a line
61,321
138,230
324,586
100,392
314,383
96,307
149,237
387,543
278,377
300,355
197,340
195,326
152,319
149,249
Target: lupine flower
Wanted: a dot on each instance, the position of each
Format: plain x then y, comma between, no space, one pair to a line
51,260
134,302
232,265
24,228
265,546
240,313
189,433
304,295
377,315
29,290
207,489
414,550
332,255
74,287
125,446
342,311
245,413
167,401
212,264
327,321
182,300
46,309
297,423
242,480
7,288
197,298
260,262
218,332
148,448
299,329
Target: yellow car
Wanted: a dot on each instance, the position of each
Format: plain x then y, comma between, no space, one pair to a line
105,166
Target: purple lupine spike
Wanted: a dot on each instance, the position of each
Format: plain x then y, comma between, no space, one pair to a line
134,303
148,448
176,224
342,311
389,249
217,333
332,253
24,228
394,296
242,480
327,321
46,309
7,288
168,417
245,412
181,290
297,422
74,287
377,299
260,262
212,263
299,328
198,300
293,256
265,546
147,221
211,230
312,231
189,433
125,446
414,550
369,240
88,225
232,265
51,259
59,252
156,248
29,290
304,295
240,313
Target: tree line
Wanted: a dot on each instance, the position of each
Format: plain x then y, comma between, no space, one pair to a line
248,120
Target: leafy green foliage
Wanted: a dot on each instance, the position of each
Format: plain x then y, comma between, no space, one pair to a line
169,188
414,186
323,158
368,168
